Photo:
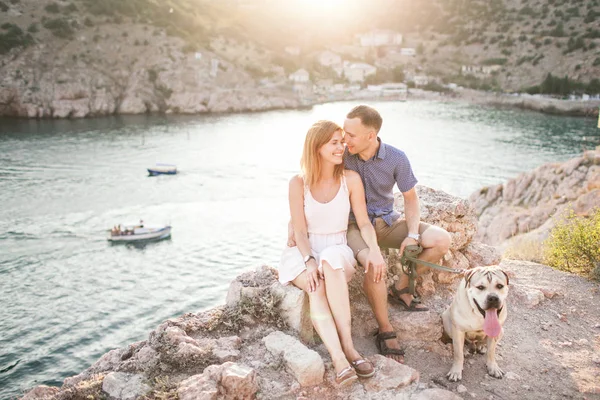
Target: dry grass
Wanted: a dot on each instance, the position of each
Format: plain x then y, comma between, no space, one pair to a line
526,250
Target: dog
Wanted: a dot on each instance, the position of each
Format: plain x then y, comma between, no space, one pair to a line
477,312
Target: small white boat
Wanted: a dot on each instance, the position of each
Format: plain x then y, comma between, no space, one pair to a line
136,233
162,169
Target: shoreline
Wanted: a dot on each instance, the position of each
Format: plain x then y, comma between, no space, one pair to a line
545,105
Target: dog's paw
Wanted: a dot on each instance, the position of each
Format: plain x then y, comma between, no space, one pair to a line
495,371
482,349
454,375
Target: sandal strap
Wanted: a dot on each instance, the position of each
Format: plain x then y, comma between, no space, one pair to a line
358,362
387,335
398,292
345,371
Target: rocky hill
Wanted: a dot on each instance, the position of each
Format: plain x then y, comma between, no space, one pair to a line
519,214
61,58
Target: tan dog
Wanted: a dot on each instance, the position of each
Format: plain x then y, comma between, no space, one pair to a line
478,311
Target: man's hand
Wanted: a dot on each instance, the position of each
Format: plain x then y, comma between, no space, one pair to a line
407,242
375,260
291,242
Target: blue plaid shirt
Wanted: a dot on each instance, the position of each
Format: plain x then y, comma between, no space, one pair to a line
379,174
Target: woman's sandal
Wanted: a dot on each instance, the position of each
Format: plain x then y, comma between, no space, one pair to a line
363,367
346,376
394,295
384,349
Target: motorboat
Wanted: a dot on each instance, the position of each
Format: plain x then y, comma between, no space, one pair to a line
137,233
162,169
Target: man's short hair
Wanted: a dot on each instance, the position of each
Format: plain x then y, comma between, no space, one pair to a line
367,115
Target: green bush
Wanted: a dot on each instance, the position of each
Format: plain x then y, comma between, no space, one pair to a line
52,8
13,37
60,27
574,245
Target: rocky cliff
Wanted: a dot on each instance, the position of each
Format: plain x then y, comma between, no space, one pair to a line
525,208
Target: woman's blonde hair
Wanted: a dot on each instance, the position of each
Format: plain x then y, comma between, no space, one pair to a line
319,134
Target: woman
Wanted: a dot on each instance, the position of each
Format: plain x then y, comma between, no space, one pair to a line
321,263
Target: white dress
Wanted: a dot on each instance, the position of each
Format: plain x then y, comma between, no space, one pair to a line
326,224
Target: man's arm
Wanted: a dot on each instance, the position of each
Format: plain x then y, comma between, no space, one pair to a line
412,214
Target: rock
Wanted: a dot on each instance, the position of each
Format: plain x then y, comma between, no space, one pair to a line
226,381
526,295
239,382
452,213
512,376
417,327
122,386
294,309
435,394
461,389
198,387
390,375
479,255
41,392
146,358
305,365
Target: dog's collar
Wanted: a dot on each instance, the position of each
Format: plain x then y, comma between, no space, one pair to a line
483,312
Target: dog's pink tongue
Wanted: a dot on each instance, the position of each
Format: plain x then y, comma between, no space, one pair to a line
491,325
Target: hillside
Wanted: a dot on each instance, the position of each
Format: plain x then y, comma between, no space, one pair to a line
82,57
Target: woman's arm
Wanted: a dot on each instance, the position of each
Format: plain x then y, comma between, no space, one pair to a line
296,199
359,208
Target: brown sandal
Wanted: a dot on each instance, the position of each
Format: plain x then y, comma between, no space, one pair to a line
394,295
346,376
384,349
363,367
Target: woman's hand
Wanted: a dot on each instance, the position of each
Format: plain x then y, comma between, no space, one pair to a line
312,275
291,242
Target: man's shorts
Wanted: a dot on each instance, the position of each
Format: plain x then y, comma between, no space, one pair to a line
387,236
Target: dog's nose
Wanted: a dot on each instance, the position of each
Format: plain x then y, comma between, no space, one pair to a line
493,301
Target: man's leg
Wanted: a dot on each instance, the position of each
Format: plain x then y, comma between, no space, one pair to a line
376,292
434,240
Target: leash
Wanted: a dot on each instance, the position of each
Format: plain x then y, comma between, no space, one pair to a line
409,261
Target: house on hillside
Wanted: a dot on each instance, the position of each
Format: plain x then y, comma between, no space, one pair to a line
300,76
357,72
378,38
328,59
479,70
420,80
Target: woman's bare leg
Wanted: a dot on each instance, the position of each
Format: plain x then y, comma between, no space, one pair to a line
323,321
339,304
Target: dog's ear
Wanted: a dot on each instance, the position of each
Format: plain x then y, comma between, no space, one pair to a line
469,274
506,275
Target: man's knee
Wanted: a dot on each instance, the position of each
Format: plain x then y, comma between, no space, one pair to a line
438,238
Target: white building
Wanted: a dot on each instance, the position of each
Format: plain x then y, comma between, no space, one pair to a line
357,72
479,70
380,38
300,76
408,51
329,59
420,80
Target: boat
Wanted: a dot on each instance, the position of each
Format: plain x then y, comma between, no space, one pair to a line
139,233
162,169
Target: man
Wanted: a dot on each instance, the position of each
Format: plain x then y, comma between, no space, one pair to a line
382,166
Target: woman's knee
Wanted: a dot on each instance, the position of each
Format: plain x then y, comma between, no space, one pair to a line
331,272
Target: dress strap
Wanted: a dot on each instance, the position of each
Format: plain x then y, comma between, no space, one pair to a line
344,185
